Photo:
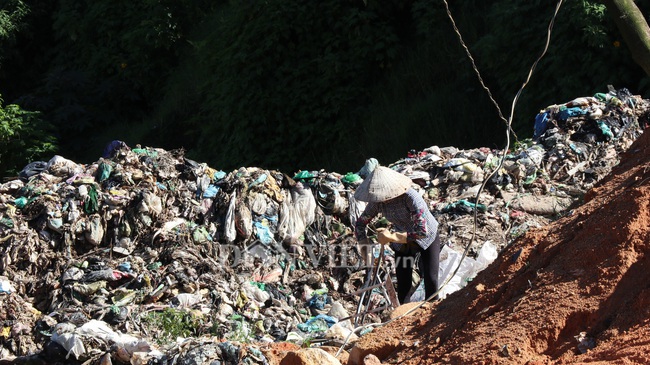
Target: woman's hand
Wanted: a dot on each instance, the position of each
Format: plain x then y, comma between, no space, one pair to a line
385,236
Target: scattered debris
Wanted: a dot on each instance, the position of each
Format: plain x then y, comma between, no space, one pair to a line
146,256
585,343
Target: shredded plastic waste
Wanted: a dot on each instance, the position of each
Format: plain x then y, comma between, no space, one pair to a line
146,256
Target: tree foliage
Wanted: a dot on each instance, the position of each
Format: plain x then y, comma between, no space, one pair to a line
109,62
634,29
434,92
289,81
12,13
24,137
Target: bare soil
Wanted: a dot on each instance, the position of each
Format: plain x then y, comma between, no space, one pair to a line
574,291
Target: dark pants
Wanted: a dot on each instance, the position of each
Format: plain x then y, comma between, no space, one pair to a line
429,262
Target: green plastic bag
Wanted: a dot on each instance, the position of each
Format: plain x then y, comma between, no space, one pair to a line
304,175
91,205
351,178
104,171
20,202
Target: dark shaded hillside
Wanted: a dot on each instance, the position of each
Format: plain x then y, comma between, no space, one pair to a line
301,84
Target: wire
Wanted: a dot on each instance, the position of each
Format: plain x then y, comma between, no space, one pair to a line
505,150
478,74
485,181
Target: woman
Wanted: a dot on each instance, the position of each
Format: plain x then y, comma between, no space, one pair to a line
414,229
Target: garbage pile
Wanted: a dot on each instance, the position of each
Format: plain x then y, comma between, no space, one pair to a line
146,256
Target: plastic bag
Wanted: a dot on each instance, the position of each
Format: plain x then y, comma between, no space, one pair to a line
33,168
153,203
263,231
211,191
469,267
449,261
243,221
64,335
368,167
113,147
5,286
320,323
90,198
297,212
257,203
305,203
340,332
104,171
94,230
186,300
329,198
230,232
60,166
201,235
101,330
486,255
255,292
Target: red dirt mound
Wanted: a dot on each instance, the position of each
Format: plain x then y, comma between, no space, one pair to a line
575,291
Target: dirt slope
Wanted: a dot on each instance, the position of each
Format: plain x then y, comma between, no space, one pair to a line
587,272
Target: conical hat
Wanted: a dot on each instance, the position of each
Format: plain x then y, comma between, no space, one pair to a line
382,184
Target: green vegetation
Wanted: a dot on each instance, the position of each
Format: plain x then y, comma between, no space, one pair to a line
300,84
24,137
241,331
171,323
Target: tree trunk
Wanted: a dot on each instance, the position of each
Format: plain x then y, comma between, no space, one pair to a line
634,29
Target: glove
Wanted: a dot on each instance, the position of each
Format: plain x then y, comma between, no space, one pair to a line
385,236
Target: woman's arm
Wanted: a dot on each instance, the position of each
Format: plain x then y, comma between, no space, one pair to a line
417,207
364,219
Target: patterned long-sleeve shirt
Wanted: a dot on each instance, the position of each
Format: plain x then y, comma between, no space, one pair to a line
408,213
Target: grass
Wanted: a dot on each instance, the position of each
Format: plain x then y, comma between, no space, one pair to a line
172,323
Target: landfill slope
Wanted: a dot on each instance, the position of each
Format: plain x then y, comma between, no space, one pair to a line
574,291
148,257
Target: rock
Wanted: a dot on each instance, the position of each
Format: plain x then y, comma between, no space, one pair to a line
332,350
309,356
338,311
371,359
276,351
381,349
340,332
404,308
540,205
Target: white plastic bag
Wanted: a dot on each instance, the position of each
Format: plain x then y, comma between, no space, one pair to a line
230,231
153,202
253,292
5,286
64,335
486,255
469,267
449,261
356,207
305,203
339,331
60,166
187,300
257,202
297,212
101,330
95,230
